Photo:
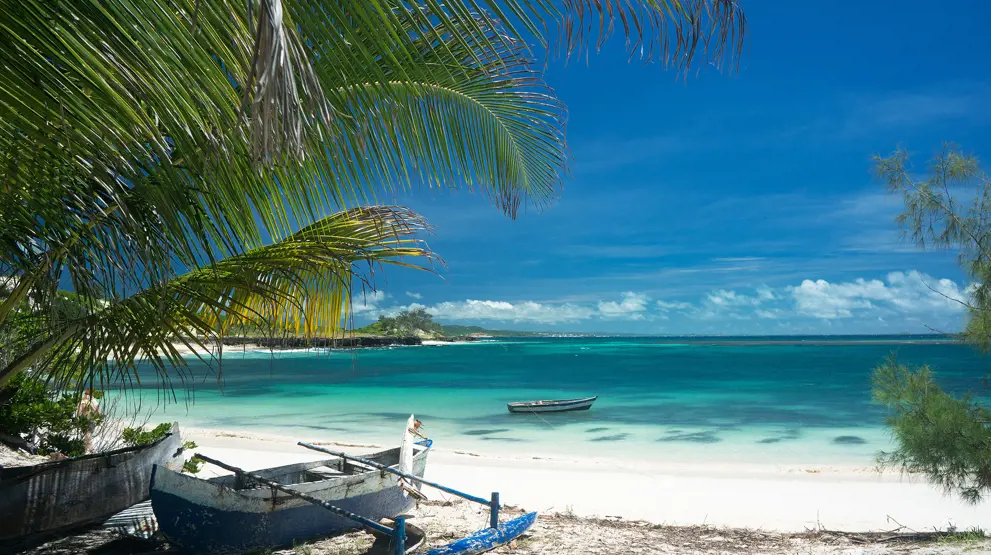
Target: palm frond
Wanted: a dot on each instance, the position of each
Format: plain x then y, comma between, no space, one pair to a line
465,115
302,284
123,86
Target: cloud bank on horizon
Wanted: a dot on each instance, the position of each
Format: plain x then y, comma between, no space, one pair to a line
904,301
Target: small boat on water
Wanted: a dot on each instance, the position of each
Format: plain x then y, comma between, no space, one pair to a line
61,495
559,405
233,514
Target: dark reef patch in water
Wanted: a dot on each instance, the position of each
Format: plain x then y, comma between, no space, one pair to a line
484,431
614,437
593,430
694,437
849,440
791,433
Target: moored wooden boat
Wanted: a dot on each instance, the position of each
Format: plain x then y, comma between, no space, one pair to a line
559,405
231,514
60,495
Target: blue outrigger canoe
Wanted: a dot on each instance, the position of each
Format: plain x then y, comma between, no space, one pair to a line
479,542
488,539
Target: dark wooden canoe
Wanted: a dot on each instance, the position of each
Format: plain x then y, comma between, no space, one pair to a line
60,495
559,405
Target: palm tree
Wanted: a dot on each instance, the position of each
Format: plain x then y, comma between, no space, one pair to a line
176,162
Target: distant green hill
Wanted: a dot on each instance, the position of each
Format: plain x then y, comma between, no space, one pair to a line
375,328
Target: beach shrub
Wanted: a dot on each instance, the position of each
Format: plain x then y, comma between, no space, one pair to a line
192,465
30,411
946,438
139,436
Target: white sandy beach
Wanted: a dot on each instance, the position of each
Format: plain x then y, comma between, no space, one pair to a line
720,493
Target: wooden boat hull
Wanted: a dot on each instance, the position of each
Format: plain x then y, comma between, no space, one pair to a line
61,495
562,405
488,539
209,517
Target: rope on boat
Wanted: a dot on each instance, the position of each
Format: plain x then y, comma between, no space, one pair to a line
367,523
549,425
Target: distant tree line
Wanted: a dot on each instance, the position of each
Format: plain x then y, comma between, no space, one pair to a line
408,323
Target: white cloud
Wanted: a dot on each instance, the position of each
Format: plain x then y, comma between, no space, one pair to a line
393,311
906,300
917,292
724,304
525,311
412,295
675,305
827,300
909,296
903,292
631,307
725,298
366,301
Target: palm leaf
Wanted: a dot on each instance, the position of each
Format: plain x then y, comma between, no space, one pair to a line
302,284
509,141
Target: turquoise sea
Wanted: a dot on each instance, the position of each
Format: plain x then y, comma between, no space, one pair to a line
761,400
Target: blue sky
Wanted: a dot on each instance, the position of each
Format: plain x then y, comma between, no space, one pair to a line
731,204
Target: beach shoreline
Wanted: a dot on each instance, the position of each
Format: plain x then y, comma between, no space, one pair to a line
694,436
275,346
783,498
586,506
360,341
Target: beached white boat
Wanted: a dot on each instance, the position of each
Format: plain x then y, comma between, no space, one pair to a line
232,514
559,405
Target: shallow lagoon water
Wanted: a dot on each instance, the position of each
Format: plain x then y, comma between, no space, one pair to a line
659,399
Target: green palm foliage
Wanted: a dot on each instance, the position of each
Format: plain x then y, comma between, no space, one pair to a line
299,284
141,140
